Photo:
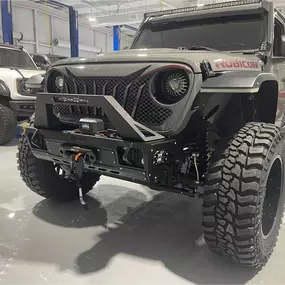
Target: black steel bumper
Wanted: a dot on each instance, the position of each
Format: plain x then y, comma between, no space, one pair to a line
23,108
105,155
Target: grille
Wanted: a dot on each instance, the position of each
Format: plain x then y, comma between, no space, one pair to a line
131,93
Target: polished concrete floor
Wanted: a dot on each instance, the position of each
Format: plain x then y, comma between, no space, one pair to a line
130,235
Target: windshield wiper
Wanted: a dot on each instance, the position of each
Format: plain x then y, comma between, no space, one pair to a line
197,47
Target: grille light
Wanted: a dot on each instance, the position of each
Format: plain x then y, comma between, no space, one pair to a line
202,8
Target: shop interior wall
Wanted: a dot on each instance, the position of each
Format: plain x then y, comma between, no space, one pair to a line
41,28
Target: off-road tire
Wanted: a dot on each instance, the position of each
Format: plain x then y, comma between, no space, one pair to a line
8,124
236,203
41,177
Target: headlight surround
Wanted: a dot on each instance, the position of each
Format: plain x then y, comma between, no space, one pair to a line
55,82
170,86
22,88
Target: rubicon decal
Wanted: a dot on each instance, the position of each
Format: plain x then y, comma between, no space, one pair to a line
236,64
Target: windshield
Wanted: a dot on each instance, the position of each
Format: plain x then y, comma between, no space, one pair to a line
243,32
15,58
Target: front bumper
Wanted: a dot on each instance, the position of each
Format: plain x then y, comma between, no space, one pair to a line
23,108
136,154
107,157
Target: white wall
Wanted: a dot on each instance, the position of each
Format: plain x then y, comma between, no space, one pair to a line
40,25
126,40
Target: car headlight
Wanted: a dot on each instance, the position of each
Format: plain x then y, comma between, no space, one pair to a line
55,82
171,85
23,89
176,85
59,82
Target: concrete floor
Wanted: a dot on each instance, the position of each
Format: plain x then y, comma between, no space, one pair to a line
130,235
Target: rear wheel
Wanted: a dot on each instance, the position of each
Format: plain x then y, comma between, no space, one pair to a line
244,196
8,123
45,179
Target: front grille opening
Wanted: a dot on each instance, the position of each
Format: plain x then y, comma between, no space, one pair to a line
73,113
133,94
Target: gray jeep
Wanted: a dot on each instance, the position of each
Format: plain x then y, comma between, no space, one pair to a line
195,106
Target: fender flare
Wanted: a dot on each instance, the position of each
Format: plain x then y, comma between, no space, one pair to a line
4,90
237,82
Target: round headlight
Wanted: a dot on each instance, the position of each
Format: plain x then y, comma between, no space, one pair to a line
25,88
176,85
59,82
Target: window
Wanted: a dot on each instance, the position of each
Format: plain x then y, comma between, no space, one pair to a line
278,32
228,33
39,59
15,58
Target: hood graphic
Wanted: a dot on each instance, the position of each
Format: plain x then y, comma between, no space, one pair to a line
220,61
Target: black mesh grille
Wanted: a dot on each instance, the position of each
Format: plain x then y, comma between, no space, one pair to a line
150,113
131,93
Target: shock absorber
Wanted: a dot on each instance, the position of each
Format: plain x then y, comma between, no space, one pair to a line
204,150
200,150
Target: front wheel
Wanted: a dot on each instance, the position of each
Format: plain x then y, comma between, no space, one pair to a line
8,124
43,178
244,195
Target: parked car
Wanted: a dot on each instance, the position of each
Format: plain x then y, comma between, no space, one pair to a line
16,100
43,61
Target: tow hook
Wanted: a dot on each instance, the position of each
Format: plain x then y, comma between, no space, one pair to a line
77,172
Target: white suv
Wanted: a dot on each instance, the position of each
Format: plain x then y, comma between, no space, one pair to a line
16,100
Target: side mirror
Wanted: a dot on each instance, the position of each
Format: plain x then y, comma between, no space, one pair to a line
283,46
36,82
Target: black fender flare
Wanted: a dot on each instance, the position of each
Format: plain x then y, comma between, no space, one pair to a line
4,90
237,82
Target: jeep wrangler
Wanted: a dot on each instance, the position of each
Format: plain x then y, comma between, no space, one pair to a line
17,102
191,107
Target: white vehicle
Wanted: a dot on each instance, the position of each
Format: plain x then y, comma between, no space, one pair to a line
17,102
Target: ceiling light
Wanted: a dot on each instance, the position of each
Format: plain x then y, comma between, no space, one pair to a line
92,19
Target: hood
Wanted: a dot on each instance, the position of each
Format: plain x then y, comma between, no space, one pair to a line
28,73
13,73
220,61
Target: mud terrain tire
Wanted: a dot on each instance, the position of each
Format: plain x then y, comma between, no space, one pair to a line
41,177
8,124
244,195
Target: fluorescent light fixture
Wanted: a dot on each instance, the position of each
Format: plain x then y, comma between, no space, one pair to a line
92,19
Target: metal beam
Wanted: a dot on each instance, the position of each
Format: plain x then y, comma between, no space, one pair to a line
130,28
112,10
73,31
116,38
36,34
73,27
7,22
